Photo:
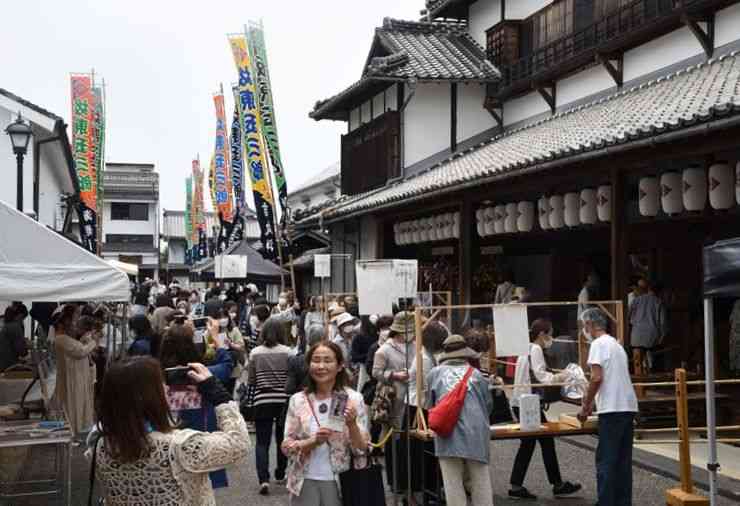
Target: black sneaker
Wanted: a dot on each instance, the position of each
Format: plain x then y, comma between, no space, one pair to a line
521,493
264,489
566,488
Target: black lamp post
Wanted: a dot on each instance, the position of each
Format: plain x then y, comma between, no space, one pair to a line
20,133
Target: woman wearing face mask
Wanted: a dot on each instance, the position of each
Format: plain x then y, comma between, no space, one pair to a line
540,336
227,319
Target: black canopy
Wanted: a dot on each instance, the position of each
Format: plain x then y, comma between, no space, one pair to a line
722,269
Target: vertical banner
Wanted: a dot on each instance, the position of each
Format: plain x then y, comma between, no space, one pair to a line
224,198
99,150
268,121
212,182
237,167
83,147
254,160
188,220
200,237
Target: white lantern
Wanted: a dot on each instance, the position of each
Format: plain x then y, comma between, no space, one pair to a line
557,210
499,217
441,227
721,183
670,193
648,196
397,233
415,231
423,230
604,202
694,188
449,226
511,216
572,209
543,212
587,213
488,220
456,225
433,235
525,218
480,222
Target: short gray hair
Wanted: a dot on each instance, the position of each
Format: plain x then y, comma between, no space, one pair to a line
596,316
315,334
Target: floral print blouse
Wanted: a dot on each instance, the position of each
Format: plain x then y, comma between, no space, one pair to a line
297,428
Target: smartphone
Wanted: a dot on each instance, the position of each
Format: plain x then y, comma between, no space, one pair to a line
200,323
177,376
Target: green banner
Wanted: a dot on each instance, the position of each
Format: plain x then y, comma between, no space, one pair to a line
189,211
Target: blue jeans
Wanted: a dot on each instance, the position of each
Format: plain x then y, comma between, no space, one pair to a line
614,459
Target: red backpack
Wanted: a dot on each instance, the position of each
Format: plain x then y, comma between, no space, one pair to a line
444,415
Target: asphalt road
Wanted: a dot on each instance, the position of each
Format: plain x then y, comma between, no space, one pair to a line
577,464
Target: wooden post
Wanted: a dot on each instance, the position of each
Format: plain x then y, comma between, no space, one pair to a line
684,496
420,372
582,350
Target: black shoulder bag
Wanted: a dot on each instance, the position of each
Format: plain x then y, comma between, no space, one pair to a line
91,493
363,486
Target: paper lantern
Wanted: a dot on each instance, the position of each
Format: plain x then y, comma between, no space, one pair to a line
670,193
499,216
424,226
488,221
648,196
587,213
397,233
511,215
525,218
431,229
543,212
479,223
604,202
694,188
456,225
449,226
441,227
721,183
572,204
415,231
557,210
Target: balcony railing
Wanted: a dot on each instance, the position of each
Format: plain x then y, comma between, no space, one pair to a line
622,28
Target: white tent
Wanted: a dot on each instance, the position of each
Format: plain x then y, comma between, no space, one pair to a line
130,269
37,264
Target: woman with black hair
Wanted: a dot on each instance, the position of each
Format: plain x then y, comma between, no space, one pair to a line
146,342
227,319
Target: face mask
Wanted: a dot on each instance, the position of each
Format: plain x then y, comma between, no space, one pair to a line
587,334
222,297
223,322
233,316
253,321
282,301
547,342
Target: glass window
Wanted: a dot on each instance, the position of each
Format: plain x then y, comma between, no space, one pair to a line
129,211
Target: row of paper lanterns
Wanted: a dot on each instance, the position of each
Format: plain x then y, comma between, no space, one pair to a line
689,190
553,212
437,228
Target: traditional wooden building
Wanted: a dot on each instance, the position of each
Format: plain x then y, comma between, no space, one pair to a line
547,139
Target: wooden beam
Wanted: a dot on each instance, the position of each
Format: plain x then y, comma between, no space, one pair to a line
547,91
614,65
496,109
453,117
705,36
465,250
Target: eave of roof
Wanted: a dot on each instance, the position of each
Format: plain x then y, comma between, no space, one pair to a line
681,102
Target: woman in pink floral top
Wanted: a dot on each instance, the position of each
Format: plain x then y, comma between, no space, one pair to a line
317,450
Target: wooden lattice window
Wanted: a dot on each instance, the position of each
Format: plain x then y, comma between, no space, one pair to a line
502,43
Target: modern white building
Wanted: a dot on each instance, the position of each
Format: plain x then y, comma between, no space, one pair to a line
131,216
316,193
49,183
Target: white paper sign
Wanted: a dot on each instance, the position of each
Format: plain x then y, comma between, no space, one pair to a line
405,273
374,286
511,327
322,266
230,266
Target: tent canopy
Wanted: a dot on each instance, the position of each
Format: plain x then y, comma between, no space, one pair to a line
257,267
40,265
130,269
722,269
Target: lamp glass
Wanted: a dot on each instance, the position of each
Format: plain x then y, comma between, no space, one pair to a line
20,134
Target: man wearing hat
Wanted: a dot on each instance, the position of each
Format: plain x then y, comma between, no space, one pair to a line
346,324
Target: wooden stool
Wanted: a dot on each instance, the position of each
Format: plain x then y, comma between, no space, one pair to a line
677,497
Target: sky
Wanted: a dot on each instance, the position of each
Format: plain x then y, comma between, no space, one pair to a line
163,60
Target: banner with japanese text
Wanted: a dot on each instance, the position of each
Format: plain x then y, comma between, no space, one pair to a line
224,197
83,149
200,246
254,159
212,181
237,167
99,136
189,219
268,121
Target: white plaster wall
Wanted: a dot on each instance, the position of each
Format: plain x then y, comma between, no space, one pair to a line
727,25
583,84
426,122
368,238
656,54
365,108
472,118
482,15
176,252
524,107
391,97
131,227
51,185
378,105
354,119
520,9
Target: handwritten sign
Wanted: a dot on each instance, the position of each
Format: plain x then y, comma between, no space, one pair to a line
322,266
380,283
230,266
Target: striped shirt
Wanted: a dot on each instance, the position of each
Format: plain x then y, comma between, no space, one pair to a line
268,371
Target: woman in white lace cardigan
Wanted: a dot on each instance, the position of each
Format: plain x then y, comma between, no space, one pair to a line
142,458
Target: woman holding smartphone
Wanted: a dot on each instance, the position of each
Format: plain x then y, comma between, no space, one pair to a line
317,454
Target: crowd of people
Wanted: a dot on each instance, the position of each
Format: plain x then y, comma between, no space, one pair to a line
203,369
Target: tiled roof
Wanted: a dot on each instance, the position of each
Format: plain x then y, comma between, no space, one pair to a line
328,173
693,95
405,50
30,105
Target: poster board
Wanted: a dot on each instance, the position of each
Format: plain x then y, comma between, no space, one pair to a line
511,327
322,266
380,283
230,266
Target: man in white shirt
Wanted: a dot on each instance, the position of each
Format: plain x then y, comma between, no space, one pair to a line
616,405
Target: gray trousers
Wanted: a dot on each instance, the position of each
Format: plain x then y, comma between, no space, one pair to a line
317,493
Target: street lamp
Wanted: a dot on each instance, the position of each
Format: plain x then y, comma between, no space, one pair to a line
20,133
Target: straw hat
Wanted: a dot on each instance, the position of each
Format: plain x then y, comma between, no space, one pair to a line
403,322
344,319
335,312
455,347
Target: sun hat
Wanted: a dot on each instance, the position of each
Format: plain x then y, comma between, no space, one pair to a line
344,319
335,312
455,347
403,322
